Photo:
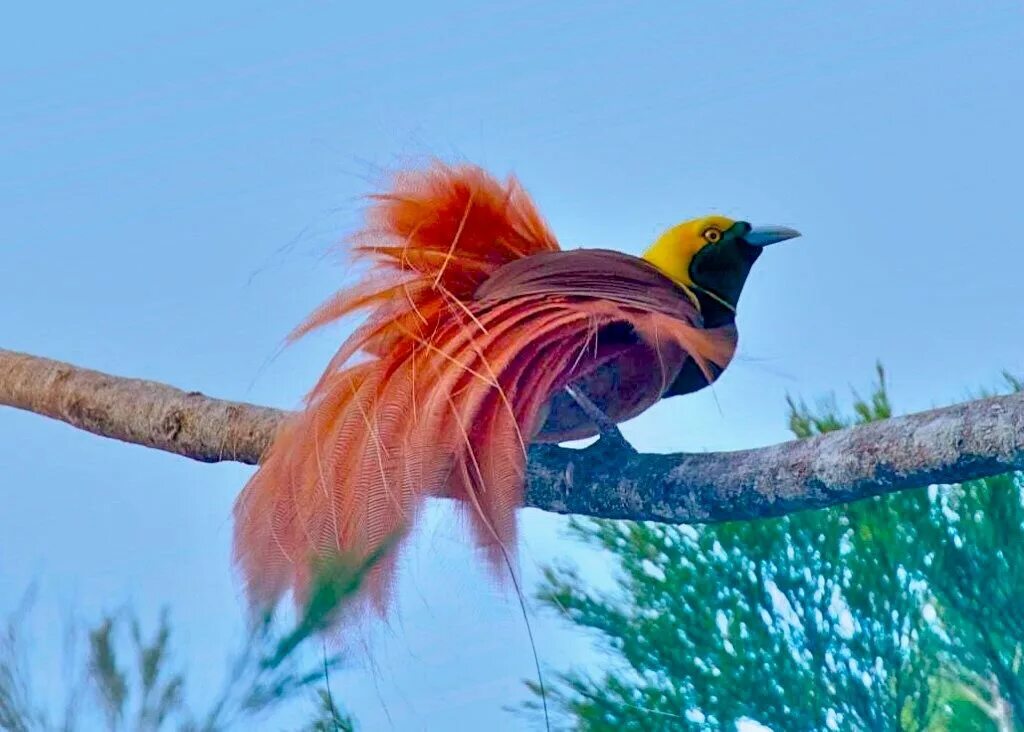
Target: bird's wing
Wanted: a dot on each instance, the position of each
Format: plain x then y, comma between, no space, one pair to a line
622,373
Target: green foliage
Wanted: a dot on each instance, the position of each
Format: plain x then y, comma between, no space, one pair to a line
806,422
158,693
901,612
18,710
135,686
329,718
336,580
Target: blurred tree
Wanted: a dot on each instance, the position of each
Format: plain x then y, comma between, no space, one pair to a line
132,683
902,612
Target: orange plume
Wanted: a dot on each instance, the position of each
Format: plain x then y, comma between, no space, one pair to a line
476,323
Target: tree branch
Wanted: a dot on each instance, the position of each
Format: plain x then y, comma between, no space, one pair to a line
953,444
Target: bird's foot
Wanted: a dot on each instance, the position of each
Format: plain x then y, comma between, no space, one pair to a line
609,433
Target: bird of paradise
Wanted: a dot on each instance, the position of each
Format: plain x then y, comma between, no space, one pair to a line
481,336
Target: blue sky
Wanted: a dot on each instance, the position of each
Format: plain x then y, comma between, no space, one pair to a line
173,175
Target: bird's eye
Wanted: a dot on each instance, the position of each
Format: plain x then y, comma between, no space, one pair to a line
712,235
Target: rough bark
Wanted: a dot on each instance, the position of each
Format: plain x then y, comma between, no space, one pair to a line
947,445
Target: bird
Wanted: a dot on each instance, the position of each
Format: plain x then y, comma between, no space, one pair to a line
480,336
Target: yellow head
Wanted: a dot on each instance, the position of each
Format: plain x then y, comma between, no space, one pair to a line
712,256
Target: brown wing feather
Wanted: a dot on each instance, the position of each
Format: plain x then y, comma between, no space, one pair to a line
617,373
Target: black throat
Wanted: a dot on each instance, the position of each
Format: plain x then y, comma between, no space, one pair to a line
721,269
713,312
